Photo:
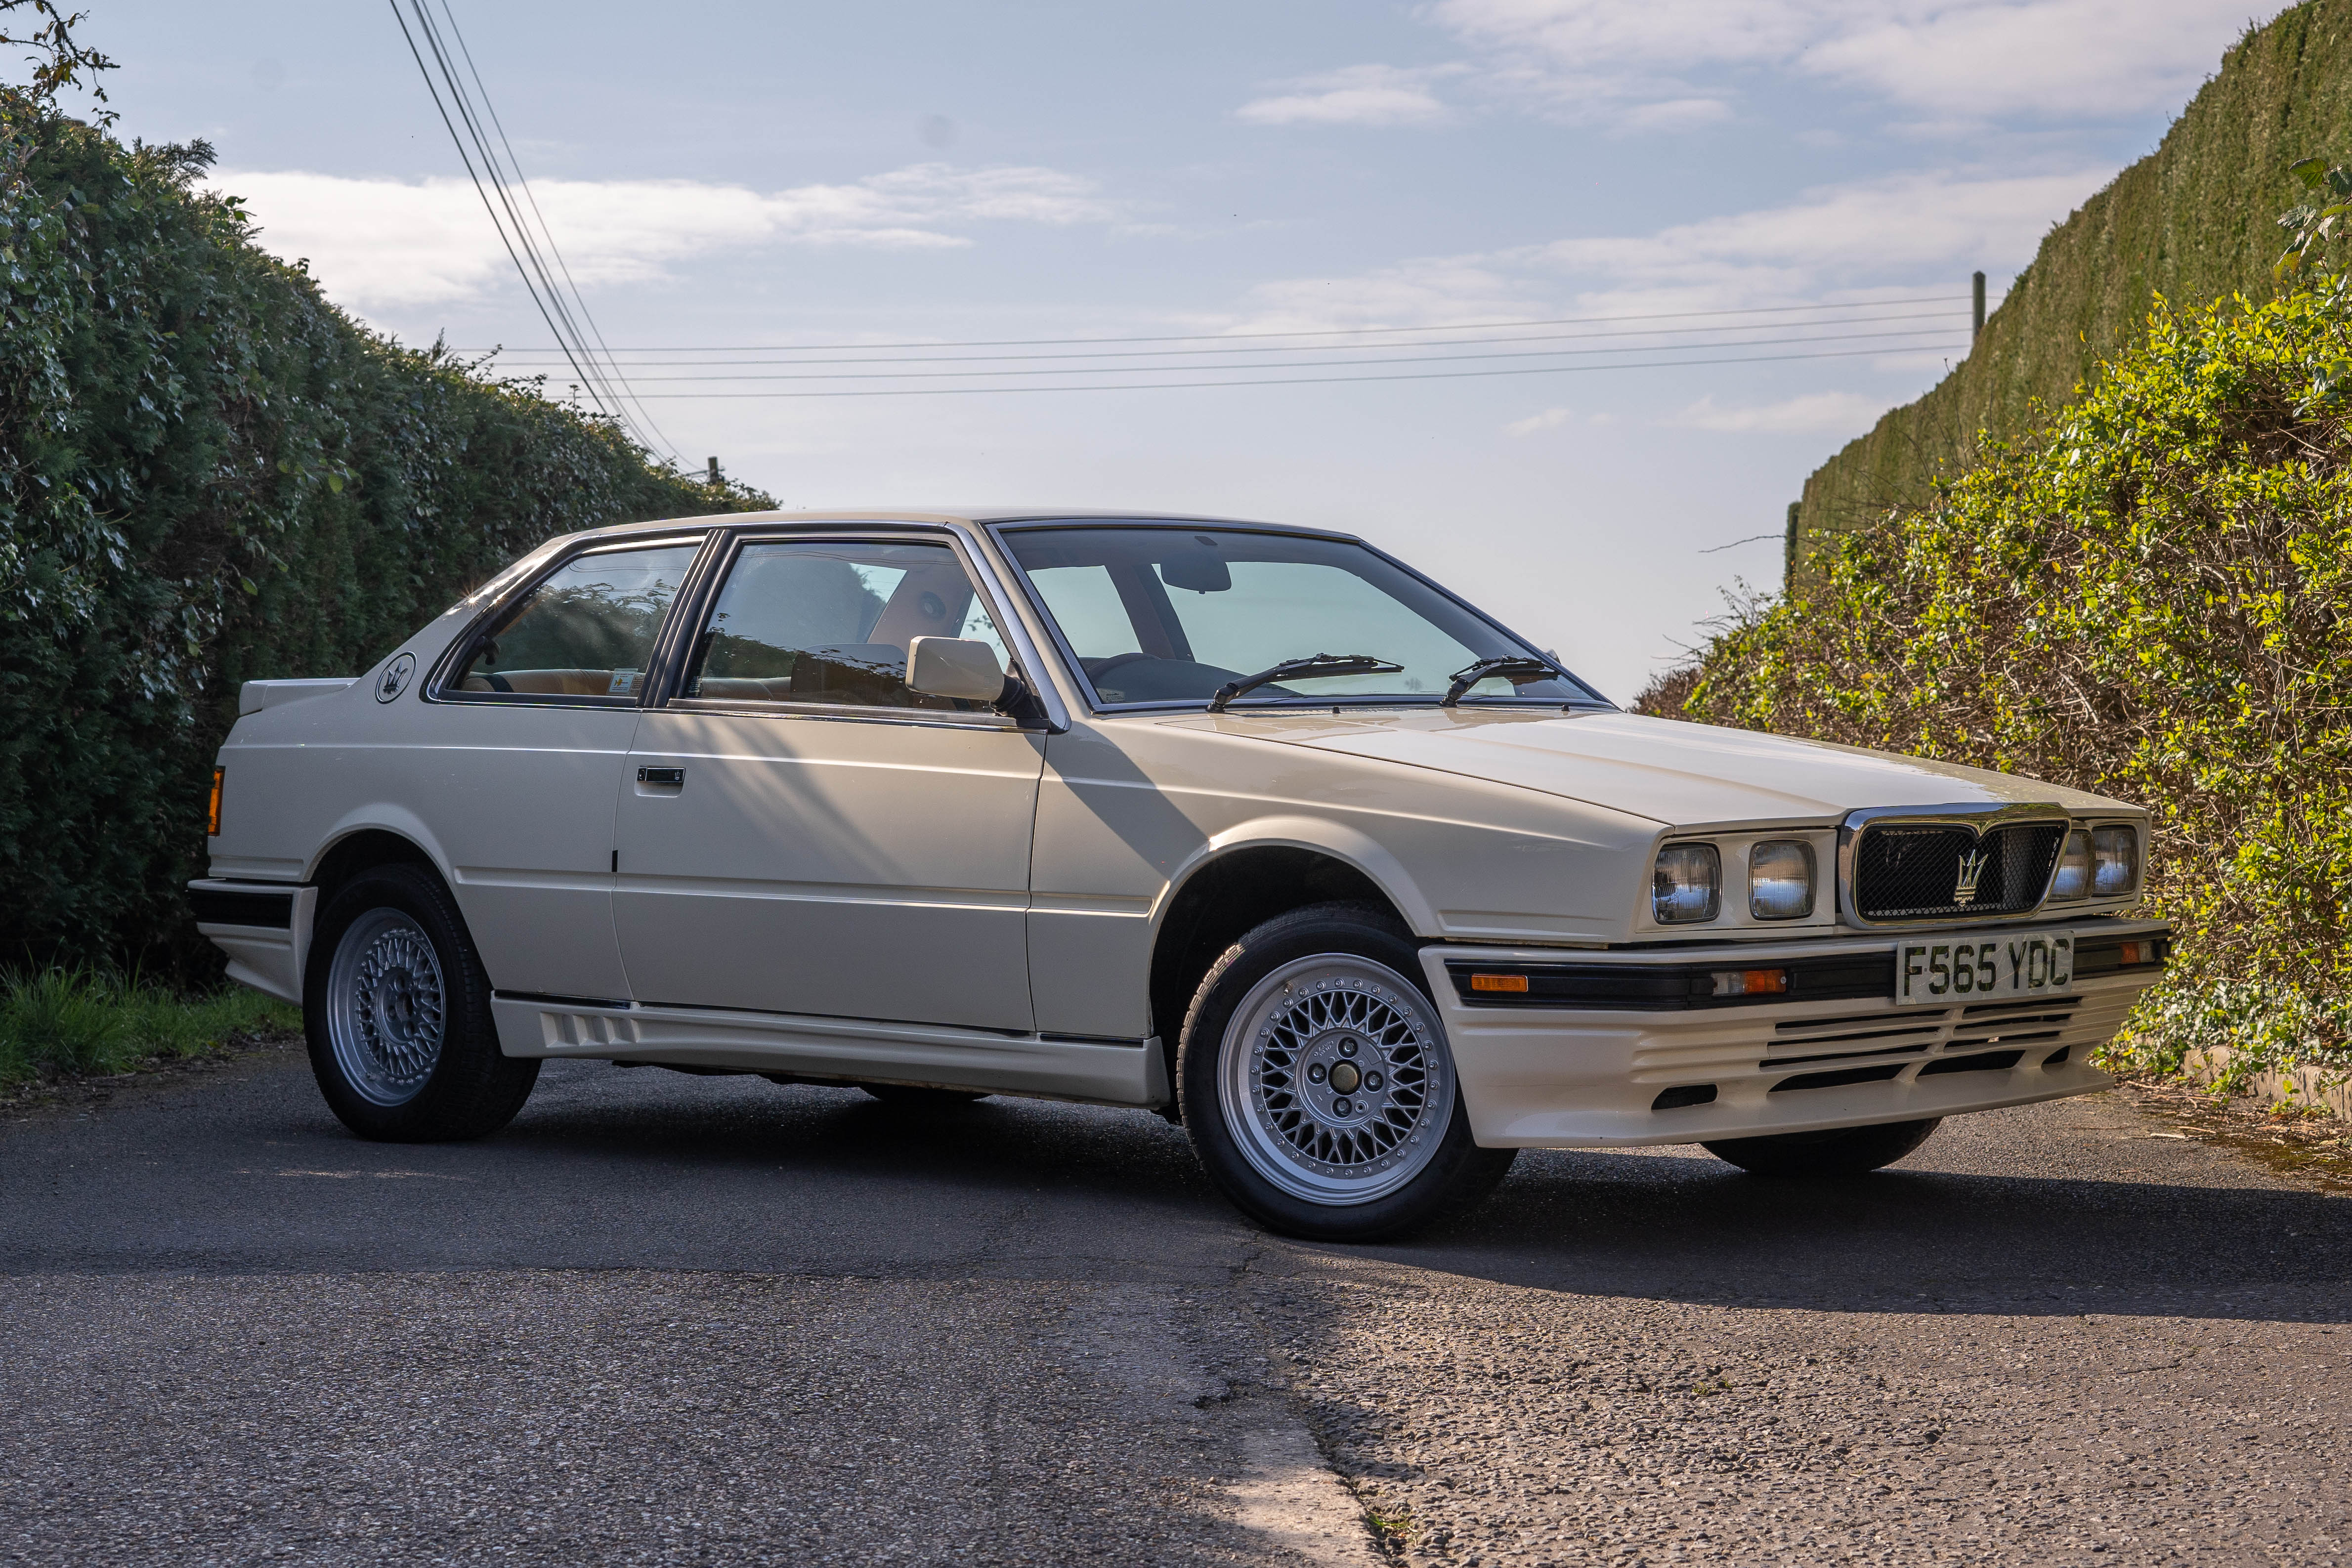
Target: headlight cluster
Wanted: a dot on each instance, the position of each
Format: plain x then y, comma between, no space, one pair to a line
2097,862
1687,885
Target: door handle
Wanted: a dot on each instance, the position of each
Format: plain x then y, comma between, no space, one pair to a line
672,778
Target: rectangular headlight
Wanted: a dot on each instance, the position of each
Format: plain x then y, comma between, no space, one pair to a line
1780,880
2115,862
1686,886
2074,878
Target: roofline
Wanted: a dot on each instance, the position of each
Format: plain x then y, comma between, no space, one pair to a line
974,517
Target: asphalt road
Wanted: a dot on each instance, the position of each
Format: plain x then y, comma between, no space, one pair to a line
672,1320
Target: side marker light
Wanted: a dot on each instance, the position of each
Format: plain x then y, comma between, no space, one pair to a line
1499,982
212,813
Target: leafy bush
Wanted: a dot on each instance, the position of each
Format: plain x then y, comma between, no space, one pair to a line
208,474
57,1022
2151,598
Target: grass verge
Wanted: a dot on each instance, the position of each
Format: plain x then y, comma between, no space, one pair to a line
58,1023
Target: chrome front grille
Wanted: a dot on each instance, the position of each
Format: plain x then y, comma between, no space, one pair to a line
1940,870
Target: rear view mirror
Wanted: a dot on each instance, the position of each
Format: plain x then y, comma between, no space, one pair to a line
954,667
1198,571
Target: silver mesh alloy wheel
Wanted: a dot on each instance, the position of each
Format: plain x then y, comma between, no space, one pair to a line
1335,1080
386,1007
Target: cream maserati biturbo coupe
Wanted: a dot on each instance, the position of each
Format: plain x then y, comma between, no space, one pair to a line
1254,826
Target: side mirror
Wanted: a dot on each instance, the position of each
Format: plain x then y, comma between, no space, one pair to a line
954,667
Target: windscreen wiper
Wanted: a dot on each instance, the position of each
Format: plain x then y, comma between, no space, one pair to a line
1509,665
1299,669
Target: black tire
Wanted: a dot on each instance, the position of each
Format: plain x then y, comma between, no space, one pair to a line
917,1095
1216,1078
1846,1152
385,1082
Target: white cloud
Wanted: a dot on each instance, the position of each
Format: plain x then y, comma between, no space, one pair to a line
1843,235
1826,412
2053,59
1908,235
1549,419
1439,290
391,243
1675,114
1354,95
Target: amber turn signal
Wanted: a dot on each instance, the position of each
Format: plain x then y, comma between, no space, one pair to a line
2140,952
1751,982
212,813
1499,982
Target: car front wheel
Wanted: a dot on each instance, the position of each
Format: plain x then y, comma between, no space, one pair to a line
1317,1084
397,1011
1847,1151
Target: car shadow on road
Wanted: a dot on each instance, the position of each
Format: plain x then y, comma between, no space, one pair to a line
1655,1224
1691,1228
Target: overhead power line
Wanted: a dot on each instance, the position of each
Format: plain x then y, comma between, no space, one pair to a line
1310,381
1947,317
1284,364
1303,332
528,241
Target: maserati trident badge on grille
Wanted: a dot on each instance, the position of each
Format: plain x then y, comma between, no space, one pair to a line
1972,865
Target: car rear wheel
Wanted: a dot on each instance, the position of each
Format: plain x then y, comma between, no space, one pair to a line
397,1011
1318,1086
1848,1151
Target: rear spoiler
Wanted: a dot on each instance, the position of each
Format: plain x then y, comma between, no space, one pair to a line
255,696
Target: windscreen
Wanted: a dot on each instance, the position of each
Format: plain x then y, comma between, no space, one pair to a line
1169,614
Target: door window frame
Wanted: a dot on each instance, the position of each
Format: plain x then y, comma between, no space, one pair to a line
451,667
673,647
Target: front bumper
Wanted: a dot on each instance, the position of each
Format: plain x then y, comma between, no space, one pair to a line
1580,1076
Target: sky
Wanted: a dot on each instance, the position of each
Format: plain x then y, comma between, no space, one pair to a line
1748,226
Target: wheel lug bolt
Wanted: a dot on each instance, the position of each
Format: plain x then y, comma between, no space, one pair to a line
1315,1074
1342,1107
1371,1081
1346,1048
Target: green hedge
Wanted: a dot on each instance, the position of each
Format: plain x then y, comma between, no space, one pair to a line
208,474
2150,596
2192,220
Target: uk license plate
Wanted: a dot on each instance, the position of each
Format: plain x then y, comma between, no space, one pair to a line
1937,971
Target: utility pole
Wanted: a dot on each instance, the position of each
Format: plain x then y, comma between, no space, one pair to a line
712,474
1977,331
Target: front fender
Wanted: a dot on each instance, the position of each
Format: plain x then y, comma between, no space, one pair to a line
1300,830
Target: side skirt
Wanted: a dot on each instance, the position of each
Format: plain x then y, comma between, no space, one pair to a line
829,1050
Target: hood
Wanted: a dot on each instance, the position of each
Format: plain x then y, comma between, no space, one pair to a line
1683,775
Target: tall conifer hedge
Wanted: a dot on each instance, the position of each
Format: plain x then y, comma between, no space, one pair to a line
209,474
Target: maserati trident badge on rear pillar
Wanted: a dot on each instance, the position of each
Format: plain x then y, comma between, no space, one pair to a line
396,677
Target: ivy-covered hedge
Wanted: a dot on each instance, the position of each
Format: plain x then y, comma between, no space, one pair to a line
2151,598
208,474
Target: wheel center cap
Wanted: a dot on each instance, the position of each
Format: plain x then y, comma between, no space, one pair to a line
1346,1078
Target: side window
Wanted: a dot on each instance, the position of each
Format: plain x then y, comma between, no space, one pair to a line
584,630
829,622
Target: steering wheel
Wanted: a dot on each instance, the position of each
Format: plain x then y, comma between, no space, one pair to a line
1098,671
